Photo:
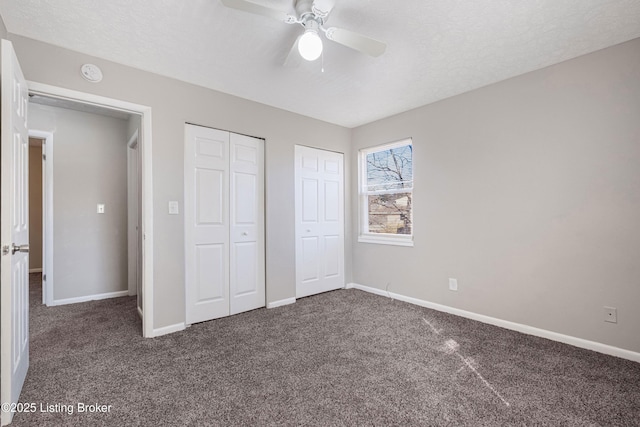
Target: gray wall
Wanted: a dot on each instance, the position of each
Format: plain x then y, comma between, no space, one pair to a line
528,192
89,167
173,104
3,29
133,125
35,205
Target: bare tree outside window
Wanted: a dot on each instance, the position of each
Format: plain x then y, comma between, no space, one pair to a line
389,190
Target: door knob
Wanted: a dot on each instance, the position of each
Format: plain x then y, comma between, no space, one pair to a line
19,248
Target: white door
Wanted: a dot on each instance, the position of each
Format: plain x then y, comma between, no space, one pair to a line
247,257
206,212
224,223
14,230
319,200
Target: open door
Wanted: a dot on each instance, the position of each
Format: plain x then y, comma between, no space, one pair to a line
14,231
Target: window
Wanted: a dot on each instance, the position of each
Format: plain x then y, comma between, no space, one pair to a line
386,194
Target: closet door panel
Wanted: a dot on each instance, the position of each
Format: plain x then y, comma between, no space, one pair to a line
224,223
247,286
206,210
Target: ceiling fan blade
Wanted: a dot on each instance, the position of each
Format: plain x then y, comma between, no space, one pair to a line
323,8
257,9
356,41
293,58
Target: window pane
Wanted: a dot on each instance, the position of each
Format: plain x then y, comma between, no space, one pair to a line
390,213
390,169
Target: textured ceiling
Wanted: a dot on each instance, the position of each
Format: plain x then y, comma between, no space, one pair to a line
436,48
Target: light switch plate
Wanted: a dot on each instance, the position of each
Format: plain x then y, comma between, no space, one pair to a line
453,284
100,208
173,208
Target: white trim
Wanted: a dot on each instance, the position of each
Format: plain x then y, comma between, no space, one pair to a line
387,146
86,298
47,213
530,330
147,181
140,312
169,329
86,98
147,224
376,291
386,239
281,302
35,270
133,197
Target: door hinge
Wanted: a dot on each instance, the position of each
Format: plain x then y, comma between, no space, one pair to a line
44,157
5,250
44,277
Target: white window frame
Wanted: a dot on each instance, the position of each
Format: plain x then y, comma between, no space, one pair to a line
364,236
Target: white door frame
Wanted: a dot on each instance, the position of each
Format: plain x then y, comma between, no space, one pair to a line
47,214
132,213
146,174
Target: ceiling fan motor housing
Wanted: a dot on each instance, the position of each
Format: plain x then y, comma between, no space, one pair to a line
312,15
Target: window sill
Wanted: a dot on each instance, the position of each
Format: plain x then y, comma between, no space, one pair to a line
386,240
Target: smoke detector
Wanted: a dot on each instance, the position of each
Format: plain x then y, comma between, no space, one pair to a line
91,73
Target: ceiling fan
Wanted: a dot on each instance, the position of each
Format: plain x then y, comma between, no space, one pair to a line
312,15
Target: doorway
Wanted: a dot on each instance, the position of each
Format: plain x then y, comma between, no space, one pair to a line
37,202
88,103
35,205
87,256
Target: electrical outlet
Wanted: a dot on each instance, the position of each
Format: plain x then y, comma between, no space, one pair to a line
453,284
611,314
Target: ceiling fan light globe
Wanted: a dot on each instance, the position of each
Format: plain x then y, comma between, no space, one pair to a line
310,45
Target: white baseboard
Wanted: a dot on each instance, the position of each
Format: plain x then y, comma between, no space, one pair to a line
35,270
168,329
530,330
90,298
281,303
371,290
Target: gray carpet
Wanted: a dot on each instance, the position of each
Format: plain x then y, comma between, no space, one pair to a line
340,358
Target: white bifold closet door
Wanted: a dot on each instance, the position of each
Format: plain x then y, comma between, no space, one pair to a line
319,221
224,223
